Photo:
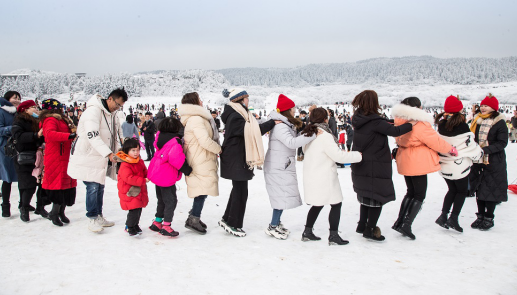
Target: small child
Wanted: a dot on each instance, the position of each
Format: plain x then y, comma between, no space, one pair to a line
132,188
165,170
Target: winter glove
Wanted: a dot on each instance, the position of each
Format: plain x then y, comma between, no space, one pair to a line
394,153
72,135
186,169
453,152
133,191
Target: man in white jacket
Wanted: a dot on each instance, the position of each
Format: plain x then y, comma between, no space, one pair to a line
98,138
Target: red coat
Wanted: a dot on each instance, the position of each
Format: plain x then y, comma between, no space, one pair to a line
132,175
57,154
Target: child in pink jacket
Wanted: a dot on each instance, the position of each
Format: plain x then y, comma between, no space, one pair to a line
164,171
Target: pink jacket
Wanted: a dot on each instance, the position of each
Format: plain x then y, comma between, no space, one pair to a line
164,167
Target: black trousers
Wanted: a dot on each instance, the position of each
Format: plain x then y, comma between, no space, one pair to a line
167,201
334,216
458,190
236,207
369,215
133,217
26,196
149,148
486,208
416,187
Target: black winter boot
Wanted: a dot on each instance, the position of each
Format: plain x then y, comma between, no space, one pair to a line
54,215
193,223
487,223
442,220
308,235
373,234
453,223
405,228
62,216
200,222
403,211
40,210
6,210
24,214
360,227
335,239
478,221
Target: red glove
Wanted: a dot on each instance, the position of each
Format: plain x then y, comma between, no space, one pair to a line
453,152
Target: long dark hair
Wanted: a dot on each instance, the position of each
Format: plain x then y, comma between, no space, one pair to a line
318,115
295,121
452,120
367,102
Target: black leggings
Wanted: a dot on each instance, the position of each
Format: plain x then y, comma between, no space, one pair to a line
334,216
486,208
458,190
416,187
369,215
6,192
26,196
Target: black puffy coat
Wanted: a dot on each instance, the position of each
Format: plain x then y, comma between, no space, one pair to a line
150,130
372,176
27,140
233,156
490,182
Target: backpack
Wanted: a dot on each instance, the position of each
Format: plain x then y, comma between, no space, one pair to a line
10,147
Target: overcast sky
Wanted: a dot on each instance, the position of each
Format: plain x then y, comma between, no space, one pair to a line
98,37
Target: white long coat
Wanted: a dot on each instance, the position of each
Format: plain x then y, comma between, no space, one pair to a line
320,178
91,148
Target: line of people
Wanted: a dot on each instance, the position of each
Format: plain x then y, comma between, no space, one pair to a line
471,160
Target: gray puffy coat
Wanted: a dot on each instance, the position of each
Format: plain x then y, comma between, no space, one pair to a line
280,164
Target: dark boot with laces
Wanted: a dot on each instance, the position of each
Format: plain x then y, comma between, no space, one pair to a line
335,239
308,235
452,222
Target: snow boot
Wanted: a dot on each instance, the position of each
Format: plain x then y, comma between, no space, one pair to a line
373,234
24,214
62,216
487,223
193,223
6,210
405,228
452,222
41,211
275,232
335,239
404,205
156,226
478,221
308,235
168,231
442,220
360,227
200,222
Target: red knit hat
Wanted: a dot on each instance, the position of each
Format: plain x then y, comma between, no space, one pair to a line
491,101
284,103
25,105
453,105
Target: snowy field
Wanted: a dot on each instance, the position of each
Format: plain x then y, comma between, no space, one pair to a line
40,258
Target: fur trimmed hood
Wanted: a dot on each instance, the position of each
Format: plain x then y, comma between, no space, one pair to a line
408,113
188,110
7,106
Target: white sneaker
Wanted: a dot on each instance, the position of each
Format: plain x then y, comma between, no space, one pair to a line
104,222
275,233
94,226
281,228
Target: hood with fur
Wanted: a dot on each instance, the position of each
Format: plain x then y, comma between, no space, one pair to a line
7,106
405,112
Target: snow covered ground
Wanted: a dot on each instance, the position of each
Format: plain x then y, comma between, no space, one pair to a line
40,258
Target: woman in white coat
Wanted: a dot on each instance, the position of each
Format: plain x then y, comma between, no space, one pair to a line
201,149
320,178
280,164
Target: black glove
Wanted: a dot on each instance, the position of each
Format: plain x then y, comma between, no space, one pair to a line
186,169
394,153
72,135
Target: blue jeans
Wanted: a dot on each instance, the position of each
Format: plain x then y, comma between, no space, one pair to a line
94,196
197,206
275,221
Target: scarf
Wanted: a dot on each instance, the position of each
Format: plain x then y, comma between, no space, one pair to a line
484,128
475,121
252,137
123,157
325,126
215,136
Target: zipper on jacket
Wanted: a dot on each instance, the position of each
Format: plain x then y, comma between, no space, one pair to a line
73,144
61,150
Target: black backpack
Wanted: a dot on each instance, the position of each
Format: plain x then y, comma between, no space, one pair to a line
10,147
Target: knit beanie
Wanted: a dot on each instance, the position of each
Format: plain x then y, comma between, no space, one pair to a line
284,103
452,105
235,94
491,101
51,104
25,105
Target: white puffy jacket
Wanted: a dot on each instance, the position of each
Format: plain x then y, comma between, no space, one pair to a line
91,148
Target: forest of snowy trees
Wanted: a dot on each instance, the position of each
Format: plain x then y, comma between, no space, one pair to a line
394,71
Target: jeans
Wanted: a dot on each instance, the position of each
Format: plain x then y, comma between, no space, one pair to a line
94,197
275,221
197,205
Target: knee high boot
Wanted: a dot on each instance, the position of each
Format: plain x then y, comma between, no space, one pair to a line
402,213
412,212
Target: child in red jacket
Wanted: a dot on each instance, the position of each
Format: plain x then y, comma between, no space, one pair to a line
132,188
